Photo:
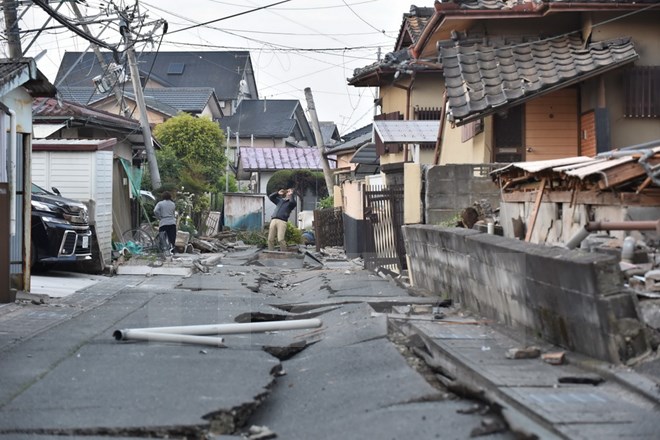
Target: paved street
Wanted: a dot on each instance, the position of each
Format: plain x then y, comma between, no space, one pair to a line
383,364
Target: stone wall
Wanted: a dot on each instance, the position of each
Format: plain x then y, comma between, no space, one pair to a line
569,298
452,188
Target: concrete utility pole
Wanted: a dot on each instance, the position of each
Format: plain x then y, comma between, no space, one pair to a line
123,108
11,22
139,101
329,182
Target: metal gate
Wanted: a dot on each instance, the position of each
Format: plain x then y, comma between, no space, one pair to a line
328,227
383,213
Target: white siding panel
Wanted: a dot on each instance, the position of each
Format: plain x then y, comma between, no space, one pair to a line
71,173
40,169
102,196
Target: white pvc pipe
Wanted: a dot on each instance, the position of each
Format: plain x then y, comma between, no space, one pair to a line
234,328
3,147
140,335
12,171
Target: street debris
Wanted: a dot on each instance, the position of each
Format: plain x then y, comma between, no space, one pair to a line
586,379
198,334
554,358
531,352
489,425
260,433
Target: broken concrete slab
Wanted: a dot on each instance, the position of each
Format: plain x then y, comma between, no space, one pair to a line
145,402
356,380
146,270
378,304
349,325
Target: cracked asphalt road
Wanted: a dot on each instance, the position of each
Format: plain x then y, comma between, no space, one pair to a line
347,379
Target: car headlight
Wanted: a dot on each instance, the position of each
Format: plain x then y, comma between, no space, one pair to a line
47,219
41,206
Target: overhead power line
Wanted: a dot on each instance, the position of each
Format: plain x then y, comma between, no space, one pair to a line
228,17
43,4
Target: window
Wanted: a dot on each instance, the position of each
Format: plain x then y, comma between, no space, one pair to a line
642,92
175,68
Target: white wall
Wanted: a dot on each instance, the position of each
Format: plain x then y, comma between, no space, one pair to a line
71,172
84,176
102,195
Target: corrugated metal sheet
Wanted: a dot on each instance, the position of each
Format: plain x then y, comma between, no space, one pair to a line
244,212
597,166
541,165
407,131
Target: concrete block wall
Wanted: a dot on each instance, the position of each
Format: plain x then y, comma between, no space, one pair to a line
452,188
569,298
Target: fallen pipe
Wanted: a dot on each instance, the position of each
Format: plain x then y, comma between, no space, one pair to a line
644,225
141,335
234,328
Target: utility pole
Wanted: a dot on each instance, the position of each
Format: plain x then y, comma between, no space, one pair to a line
319,140
11,22
123,108
139,101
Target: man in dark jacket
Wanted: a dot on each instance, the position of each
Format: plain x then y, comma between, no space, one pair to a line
285,203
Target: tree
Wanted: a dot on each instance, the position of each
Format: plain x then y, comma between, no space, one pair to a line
192,157
299,180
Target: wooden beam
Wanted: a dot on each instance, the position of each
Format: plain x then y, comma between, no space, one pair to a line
535,212
621,174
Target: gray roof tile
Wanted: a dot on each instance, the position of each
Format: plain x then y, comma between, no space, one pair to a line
168,100
221,70
481,77
270,159
264,118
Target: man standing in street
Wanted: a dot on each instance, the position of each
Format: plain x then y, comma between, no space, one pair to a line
285,203
165,212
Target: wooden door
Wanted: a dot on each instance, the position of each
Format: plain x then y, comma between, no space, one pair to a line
508,128
552,126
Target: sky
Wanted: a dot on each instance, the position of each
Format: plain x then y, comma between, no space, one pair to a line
293,45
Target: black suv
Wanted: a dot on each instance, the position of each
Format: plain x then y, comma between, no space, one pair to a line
60,229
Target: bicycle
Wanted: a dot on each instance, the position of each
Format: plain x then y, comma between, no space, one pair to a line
141,242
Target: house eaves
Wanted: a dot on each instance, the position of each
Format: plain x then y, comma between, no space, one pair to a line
73,144
24,73
458,15
350,145
54,111
482,79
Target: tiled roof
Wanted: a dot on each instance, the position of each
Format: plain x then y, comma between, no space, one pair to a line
51,109
263,118
529,4
482,78
329,132
168,100
221,70
272,159
414,22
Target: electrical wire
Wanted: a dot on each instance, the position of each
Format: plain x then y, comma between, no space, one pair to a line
227,17
43,4
365,21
